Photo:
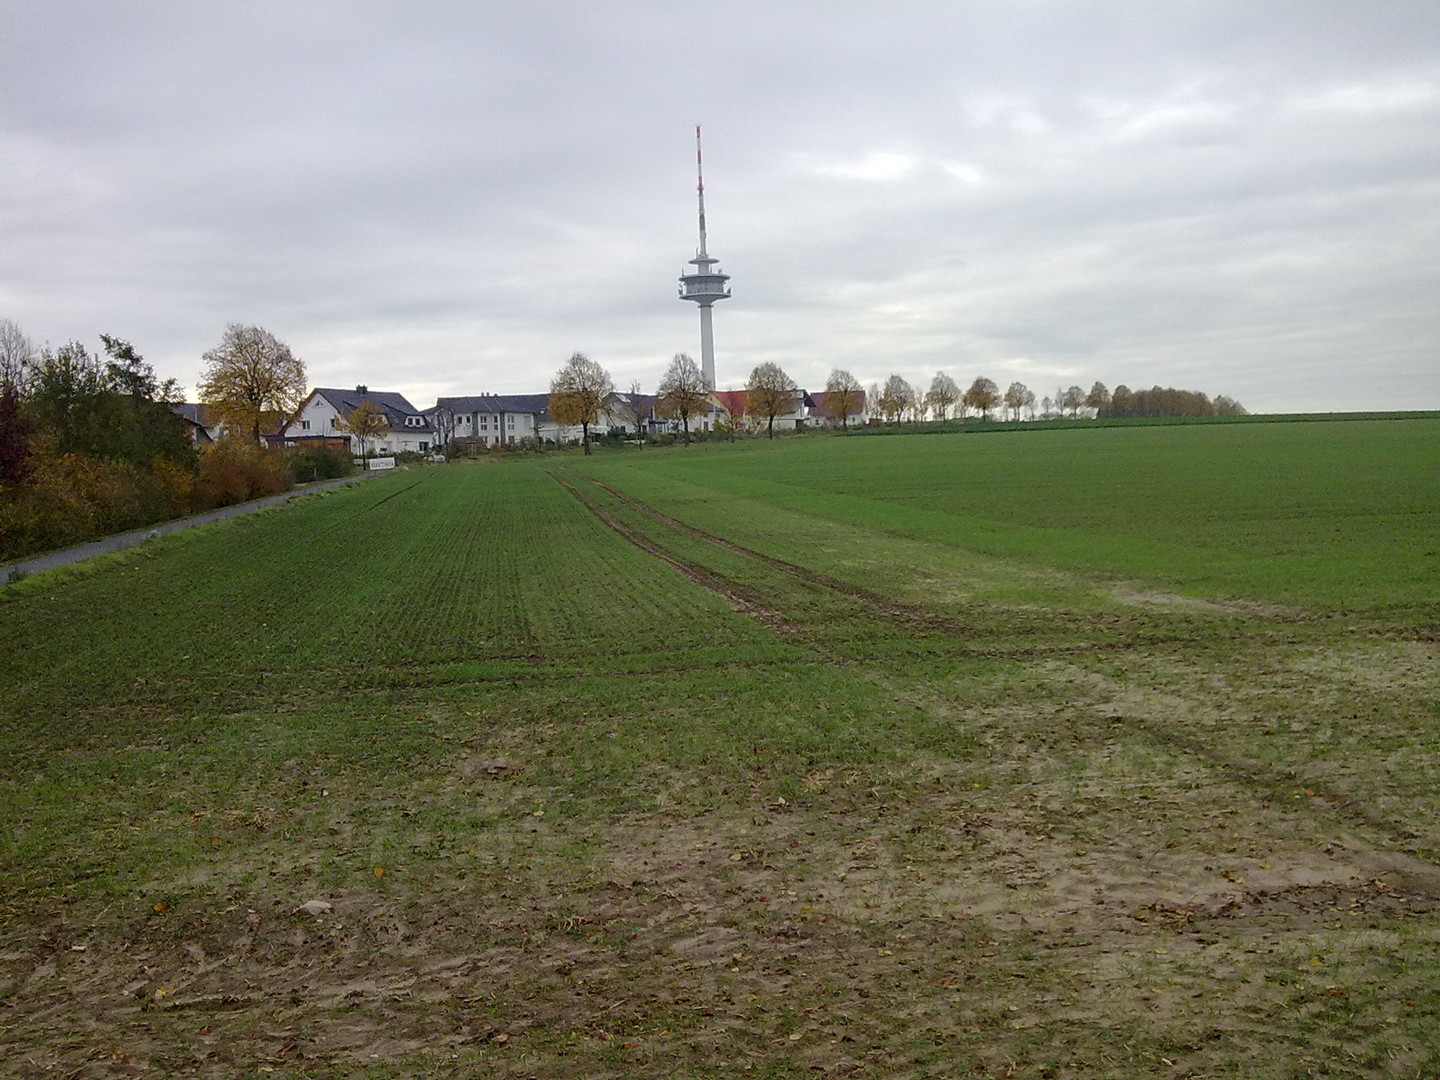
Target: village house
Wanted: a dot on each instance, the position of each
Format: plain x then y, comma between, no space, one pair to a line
319,416
510,419
734,405
490,419
825,409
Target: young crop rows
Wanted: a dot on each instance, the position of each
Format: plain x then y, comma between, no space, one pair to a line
733,761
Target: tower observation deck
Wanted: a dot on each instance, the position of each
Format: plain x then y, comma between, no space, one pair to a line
706,284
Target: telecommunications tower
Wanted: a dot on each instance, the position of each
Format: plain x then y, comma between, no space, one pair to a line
706,283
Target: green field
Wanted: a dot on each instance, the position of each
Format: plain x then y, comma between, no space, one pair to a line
1105,753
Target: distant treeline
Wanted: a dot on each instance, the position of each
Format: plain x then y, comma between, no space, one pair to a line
1161,401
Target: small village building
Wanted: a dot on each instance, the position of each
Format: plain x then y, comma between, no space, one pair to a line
320,414
826,410
734,406
490,419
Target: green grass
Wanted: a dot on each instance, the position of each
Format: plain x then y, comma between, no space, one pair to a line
833,757
1338,515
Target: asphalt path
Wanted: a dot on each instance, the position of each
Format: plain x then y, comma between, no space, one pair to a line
120,541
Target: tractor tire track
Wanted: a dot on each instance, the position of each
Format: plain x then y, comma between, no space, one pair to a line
739,598
967,634
1420,873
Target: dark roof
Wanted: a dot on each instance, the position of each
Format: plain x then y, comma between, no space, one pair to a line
393,405
193,411
644,403
496,403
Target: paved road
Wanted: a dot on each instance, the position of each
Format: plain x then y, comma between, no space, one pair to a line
121,541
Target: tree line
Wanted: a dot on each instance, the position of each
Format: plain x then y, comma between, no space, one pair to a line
898,401
583,390
90,443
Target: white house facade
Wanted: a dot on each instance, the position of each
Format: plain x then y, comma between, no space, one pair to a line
490,419
320,416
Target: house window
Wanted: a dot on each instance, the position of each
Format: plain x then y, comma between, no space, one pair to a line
304,425
510,421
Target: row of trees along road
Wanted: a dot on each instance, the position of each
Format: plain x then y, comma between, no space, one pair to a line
582,390
90,443
898,400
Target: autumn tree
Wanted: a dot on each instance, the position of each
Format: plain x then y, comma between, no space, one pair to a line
1072,398
1098,399
983,395
768,393
17,356
843,395
944,392
578,393
248,374
64,393
895,397
683,392
367,421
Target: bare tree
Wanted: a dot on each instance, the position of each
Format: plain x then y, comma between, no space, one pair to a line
17,356
1015,398
944,392
248,374
683,391
1072,398
769,393
915,406
873,409
843,395
578,392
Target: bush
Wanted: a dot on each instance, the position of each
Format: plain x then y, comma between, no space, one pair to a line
320,462
71,498
232,471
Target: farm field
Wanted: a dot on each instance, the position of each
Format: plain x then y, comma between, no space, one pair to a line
1072,754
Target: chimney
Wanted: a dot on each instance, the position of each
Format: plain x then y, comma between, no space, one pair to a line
362,389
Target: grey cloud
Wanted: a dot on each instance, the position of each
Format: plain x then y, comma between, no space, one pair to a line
1239,198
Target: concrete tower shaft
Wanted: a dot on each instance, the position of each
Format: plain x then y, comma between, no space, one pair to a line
706,284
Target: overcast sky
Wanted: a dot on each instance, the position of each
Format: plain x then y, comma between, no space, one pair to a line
1240,197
